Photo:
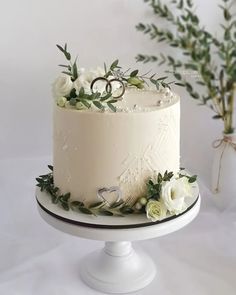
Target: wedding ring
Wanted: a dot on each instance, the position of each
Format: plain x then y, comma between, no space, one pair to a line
108,86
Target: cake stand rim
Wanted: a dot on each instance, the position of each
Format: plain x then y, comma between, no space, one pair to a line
123,234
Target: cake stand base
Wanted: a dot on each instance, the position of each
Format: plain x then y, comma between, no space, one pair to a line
118,268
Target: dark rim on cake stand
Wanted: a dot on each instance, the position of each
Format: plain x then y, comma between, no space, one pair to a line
118,267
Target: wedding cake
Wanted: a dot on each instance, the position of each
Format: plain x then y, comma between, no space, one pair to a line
116,144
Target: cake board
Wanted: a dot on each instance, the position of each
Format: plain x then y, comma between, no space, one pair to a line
118,268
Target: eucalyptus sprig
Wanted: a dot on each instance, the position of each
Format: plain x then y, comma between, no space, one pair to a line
84,100
201,53
132,78
118,208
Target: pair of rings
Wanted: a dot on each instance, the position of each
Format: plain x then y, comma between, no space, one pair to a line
108,86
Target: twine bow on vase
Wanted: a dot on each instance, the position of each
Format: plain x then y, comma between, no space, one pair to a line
224,162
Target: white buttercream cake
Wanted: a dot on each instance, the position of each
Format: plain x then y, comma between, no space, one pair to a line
93,149
116,144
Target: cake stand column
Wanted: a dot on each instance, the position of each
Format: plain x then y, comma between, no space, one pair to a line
118,268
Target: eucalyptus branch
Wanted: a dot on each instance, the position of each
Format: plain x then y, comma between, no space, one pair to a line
199,48
102,99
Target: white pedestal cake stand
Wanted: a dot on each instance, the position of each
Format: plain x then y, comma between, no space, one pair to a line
117,268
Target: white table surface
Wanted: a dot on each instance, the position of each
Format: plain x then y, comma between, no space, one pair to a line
200,259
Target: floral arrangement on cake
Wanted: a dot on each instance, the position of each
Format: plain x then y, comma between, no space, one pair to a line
165,196
101,88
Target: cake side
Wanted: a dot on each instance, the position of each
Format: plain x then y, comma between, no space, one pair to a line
94,149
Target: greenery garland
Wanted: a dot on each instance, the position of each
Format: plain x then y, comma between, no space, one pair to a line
130,78
118,208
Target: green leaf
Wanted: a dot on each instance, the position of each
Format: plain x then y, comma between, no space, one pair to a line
188,87
180,84
171,59
134,73
114,64
194,95
60,48
189,3
76,204
81,92
98,105
111,107
54,199
192,179
96,205
64,66
113,101
39,180
73,101
126,210
191,66
105,67
227,14
217,117
67,55
200,83
105,97
116,204
65,197
75,71
105,212
73,93
85,103
181,4
67,73
177,76
161,78
65,206
85,210
50,167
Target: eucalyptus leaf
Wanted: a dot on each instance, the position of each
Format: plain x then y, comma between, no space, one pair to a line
96,205
112,107
85,210
105,212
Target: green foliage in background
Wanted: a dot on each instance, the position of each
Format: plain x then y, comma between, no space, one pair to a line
212,58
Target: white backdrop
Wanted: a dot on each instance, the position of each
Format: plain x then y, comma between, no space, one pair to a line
98,31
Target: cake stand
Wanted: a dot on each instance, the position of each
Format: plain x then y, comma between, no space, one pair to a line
118,267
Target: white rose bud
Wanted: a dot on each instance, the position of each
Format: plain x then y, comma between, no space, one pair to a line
85,79
174,192
138,206
62,86
61,101
155,210
143,201
79,106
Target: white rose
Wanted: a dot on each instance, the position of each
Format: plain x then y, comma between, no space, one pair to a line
62,86
85,79
82,81
155,210
174,192
95,73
